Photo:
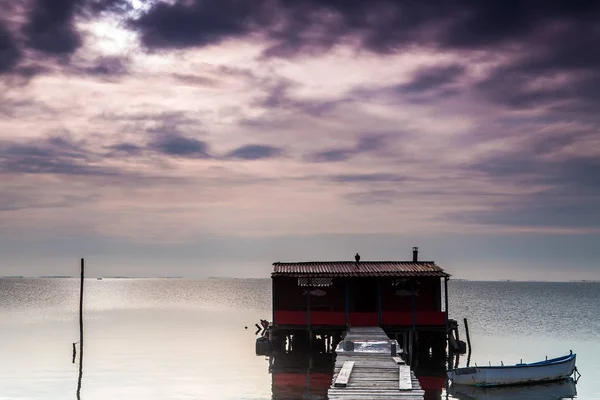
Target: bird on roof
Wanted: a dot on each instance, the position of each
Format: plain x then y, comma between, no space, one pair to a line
357,257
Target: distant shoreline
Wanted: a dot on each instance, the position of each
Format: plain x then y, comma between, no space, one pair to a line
265,278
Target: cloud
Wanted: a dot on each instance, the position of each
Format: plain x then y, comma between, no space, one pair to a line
179,146
279,98
107,66
42,35
366,144
11,202
254,152
432,78
373,197
538,212
195,80
10,54
53,155
124,149
196,23
574,174
50,27
367,178
380,26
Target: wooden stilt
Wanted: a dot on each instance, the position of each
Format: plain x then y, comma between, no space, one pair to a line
80,331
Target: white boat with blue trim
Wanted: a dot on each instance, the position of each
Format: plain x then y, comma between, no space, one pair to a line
550,370
560,390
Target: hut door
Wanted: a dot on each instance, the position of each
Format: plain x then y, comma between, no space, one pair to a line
363,295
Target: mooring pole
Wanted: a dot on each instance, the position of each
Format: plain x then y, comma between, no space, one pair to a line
80,330
468,341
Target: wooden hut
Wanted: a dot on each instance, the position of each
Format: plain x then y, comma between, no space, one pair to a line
328,296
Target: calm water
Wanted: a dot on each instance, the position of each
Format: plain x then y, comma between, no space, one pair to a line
185,339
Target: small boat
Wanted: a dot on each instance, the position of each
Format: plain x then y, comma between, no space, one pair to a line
540,391
555,369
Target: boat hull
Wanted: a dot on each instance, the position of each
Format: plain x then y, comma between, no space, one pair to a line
541,391
546,371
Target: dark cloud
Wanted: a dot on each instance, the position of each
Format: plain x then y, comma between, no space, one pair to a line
107,66
372,197
255,152
332,155
518,88
380,25
535,39
567,177
196,23
279,98
124,149
367,178
195,80
166,118
433,78
54,155
10,53
537,212
50,27
366,144
24,107
14,201
179,146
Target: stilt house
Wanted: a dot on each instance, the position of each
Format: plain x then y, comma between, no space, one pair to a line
331,295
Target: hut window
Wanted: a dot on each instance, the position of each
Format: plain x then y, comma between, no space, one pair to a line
400,282
315,282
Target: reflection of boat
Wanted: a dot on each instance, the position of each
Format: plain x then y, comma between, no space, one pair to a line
544,371
541,391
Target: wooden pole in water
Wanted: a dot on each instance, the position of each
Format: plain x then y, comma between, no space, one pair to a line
468,341
80,330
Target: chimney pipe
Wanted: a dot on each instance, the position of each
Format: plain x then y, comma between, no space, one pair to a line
415,254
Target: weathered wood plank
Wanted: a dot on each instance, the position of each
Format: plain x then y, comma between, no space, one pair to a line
404,381
374,375
344,375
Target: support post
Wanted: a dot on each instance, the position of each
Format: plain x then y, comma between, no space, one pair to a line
413,305
411,338
80,330
273,303
308,314
446,312
379,302
347,303
468,341
446,298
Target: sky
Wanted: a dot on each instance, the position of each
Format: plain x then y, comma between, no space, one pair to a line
214,137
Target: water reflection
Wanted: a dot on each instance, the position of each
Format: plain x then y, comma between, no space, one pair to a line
549,391
300,375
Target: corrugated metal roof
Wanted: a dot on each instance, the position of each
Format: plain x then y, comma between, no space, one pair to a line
363,268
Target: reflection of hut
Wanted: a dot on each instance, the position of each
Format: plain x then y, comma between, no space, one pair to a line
300,375
324,297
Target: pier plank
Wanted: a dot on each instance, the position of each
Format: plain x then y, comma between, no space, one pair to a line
374,375
343,376
404,381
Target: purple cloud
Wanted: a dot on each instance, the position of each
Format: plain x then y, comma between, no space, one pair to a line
366,144
180,146
254,152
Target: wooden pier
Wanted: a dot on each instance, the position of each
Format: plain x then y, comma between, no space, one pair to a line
367,367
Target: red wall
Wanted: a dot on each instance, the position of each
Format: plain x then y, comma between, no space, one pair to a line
290,303
427,298
287,295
